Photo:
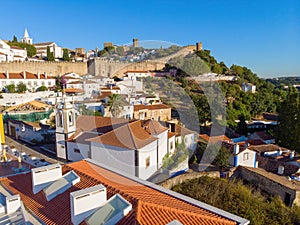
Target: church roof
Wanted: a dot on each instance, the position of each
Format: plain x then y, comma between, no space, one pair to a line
131,136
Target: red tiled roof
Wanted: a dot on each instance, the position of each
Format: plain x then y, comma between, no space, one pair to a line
73,90
21,76
153,127
108,89
256,142
149,205
151,107
182,131
265,148
263,135
16,47
130,135
41,44
215,139
171,134
99,124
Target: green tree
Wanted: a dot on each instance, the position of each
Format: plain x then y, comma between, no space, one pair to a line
289,122
50,55
42,88
11,88
115,103
15,39
31,50
216,69
222,158
66,56
21,87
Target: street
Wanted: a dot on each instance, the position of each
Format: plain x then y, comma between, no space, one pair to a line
33,150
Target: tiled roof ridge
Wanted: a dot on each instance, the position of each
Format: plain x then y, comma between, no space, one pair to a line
216,218
111,188
131,134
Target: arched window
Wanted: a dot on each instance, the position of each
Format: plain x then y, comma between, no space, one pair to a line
59,119
70,116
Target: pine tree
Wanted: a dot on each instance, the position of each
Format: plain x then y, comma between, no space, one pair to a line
50,55
66,56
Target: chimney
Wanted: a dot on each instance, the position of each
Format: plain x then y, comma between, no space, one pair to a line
43,176
7,74
13,203
280,170
292,154
236,149
83,202
24,74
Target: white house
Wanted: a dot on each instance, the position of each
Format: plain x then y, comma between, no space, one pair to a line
30,132
138,85
241,155
41,49
248,87
134,74
32,81
11,53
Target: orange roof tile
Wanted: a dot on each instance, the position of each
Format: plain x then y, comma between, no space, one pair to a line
131,136
151,107
214,139
99,124
153,127
73,90
149,204
171,134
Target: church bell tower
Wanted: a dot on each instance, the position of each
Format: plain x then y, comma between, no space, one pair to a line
65,121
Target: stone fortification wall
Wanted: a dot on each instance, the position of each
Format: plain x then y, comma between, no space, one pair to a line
53,68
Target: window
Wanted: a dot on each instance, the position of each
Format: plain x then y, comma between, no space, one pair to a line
3,83
147,162
35,83
59,119
49,83
171,145
71,118
76,150
29,83
246,156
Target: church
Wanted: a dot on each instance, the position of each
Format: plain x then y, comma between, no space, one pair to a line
133,146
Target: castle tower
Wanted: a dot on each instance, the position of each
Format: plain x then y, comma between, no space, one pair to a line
65,121
135,42
26,39
198,46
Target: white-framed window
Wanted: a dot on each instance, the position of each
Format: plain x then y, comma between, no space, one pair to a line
245,156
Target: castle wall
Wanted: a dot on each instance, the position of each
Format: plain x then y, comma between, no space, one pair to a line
53,68
101,67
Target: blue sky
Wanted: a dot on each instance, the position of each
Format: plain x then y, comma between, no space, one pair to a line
262,35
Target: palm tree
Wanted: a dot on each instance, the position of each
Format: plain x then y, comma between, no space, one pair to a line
115,103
